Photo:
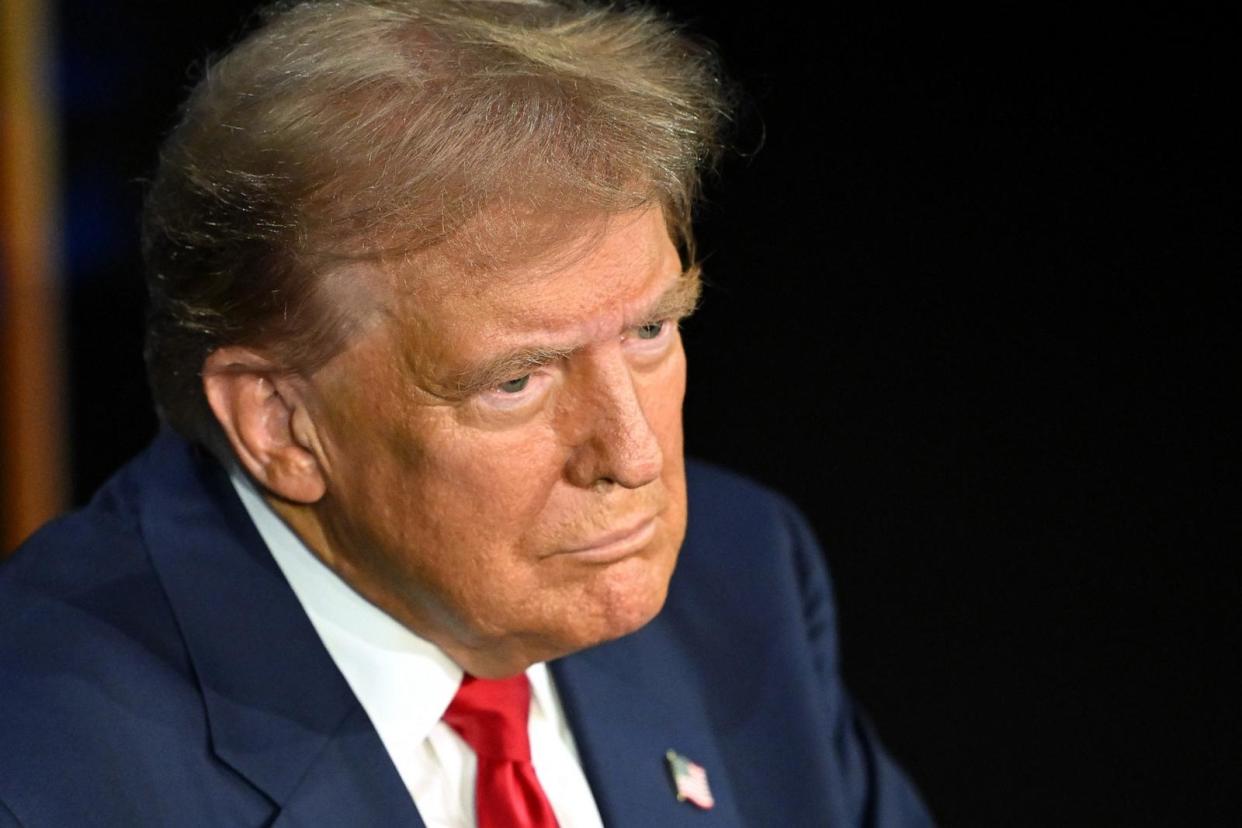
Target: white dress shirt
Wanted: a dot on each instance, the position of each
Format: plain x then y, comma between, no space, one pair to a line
405,684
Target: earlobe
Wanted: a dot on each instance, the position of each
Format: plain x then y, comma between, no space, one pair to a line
266,421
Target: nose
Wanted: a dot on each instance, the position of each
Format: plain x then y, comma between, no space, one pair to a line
616,444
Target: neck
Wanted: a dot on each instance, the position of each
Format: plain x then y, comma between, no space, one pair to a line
488,660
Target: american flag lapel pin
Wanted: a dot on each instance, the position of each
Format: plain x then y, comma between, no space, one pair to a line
690,780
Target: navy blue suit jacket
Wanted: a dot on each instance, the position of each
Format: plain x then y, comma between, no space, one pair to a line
156,669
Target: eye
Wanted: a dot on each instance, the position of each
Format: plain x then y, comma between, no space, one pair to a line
514,386
651,330
519,393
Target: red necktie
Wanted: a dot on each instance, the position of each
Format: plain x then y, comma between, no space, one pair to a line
491,716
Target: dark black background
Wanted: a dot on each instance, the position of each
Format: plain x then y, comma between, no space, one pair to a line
970,308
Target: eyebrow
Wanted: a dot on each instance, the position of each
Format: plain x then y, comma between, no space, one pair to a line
676,303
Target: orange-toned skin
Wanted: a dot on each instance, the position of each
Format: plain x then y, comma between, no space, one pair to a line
511,523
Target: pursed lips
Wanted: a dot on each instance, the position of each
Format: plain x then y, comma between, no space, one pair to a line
632,536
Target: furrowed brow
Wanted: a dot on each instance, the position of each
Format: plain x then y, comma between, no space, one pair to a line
677,302
681,299
506,367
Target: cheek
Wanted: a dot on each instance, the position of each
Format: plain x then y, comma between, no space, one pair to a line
671,437
666,391
484,490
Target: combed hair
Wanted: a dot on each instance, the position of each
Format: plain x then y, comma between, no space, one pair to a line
348,130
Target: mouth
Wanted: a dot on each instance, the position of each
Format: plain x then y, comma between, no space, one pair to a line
616,545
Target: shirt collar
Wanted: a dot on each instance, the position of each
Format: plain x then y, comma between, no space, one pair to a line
403,681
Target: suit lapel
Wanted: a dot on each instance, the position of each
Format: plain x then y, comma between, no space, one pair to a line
351,782
278,710
628,702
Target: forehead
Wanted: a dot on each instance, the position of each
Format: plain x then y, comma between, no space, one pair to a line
594,280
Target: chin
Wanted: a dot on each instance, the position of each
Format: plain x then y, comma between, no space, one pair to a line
629,596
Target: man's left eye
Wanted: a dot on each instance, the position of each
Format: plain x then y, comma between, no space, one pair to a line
514,386
651,330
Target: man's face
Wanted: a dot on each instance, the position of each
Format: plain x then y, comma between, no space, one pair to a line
504,449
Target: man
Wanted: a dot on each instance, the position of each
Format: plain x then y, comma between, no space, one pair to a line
405,554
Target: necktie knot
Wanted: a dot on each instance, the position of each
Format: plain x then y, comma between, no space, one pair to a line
491,716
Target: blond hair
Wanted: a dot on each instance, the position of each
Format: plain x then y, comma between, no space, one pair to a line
347,129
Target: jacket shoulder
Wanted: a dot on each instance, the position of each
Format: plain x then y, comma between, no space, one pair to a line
748,554
79,594
721,495
731,513
94,674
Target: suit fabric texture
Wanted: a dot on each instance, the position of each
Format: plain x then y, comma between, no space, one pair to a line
156,669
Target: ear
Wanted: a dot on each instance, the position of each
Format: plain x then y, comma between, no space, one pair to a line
262,411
